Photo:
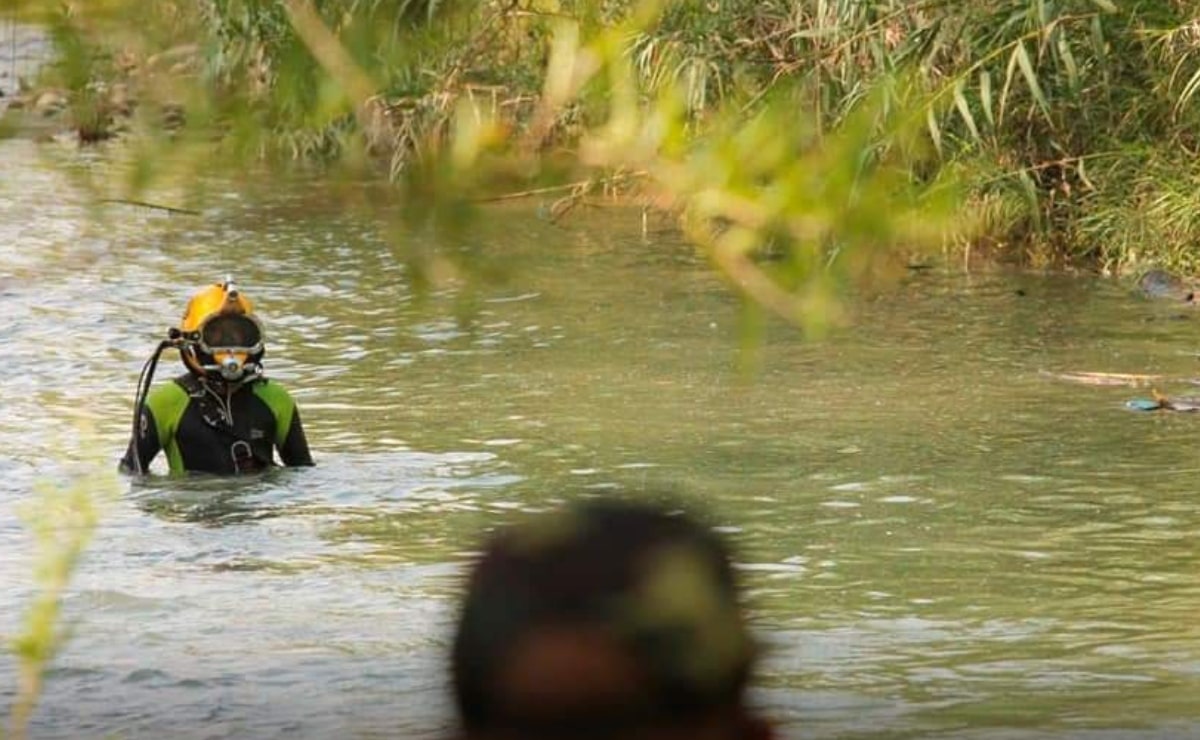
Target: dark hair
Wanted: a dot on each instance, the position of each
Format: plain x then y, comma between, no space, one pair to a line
604,563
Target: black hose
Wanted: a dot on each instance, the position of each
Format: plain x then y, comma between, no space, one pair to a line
143,390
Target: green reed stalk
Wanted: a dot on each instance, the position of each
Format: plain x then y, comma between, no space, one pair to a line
62,520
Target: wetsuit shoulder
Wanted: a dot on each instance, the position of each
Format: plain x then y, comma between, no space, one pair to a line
167,403
280,402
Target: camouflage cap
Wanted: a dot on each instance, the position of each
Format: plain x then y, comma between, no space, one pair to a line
657,587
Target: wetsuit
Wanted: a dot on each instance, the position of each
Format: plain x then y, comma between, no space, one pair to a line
210,429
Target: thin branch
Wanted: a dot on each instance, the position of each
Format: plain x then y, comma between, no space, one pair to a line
574,186
155,206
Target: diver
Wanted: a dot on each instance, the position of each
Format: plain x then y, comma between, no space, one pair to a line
222,416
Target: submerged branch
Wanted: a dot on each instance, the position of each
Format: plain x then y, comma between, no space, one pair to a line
154,206
569,187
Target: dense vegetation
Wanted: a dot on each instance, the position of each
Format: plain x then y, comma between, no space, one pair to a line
825,132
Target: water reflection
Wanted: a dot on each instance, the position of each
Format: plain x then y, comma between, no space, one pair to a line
211,501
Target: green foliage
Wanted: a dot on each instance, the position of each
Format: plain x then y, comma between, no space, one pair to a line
1072,121
829,211
1070,124
693,106
1072,105
1053,108
62,520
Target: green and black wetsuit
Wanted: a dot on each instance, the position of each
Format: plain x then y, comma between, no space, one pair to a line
205,428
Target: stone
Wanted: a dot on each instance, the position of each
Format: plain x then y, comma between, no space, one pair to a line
49,103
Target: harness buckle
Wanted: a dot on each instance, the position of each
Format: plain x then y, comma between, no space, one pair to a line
243,456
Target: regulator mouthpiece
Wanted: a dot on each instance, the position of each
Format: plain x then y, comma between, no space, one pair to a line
231,369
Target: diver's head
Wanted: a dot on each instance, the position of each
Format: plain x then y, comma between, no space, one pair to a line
221,339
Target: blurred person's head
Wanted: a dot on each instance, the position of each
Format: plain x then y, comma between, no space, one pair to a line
607,619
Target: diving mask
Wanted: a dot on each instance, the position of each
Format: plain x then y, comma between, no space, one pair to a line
230,340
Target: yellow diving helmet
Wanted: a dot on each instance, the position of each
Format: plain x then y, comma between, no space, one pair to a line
220,337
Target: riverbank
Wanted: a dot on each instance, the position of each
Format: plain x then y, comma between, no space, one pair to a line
1067,131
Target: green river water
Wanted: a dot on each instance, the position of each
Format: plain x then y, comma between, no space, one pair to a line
937,538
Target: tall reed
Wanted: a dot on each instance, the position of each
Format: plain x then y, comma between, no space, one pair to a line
61,518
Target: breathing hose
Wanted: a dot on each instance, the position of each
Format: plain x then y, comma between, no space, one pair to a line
143,390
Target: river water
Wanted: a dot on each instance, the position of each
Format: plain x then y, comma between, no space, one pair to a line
938,538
